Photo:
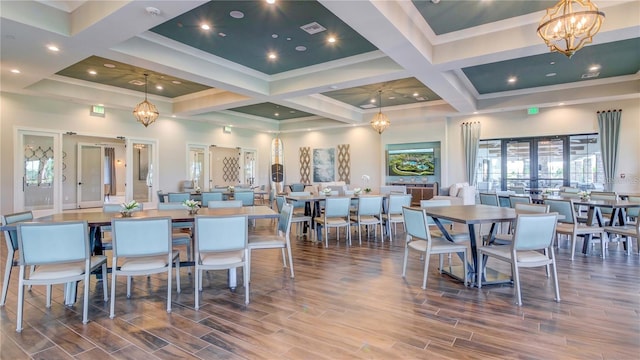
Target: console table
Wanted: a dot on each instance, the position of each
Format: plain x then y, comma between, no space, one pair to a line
419,191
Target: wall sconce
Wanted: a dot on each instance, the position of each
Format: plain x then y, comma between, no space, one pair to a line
118,161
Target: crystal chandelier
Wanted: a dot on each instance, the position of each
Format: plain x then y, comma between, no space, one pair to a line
570,25
145,112
380,122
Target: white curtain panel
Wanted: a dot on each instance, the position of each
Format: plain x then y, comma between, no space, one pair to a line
471,141
609,125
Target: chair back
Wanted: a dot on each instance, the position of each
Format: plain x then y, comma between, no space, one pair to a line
563,207
178,197
337,207
396,202
569,189
489,199
297,187
220,233
534,231
141,236
210,196
337,188
569,195
604,195
634,212
416,223
116,208
284,221
515,199
522,208
220,204
11,236
504,201
171,206
433,203
280,201
160,196
246,197
51,243
369,205
299,204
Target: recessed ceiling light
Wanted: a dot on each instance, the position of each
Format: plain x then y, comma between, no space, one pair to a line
275,36
159,87
594,68
551,74
53,48
392,97
331,39
272,56
552,63
236,14
512,80
277,114
271,1
176,82
292,112
301,48
561,103
92,72
110,66
334,86
221,34
205,27
288,39
15,71
173,116
372,101
475,112
415,94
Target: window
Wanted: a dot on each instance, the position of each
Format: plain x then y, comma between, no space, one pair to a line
543,162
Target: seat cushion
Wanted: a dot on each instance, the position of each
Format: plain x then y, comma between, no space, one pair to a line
55,271
333,221
144,263
266,241
221,259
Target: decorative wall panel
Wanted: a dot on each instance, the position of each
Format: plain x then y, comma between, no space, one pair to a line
344,163
230,169
305,165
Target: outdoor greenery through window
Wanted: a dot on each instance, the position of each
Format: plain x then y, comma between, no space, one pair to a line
540,163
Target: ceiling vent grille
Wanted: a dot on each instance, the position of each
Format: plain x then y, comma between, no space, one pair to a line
313,28
590,75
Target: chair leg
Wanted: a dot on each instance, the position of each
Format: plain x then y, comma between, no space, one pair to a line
245,274
7,275
196,281
404,263
104,282
20,301
516,282
426,270
248,268
554,273
178,287
480,270
169,268
284,259
48,297
85,307
290,260
573,245
128,287
112,312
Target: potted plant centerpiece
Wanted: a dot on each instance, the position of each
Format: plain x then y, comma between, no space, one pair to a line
192,205
128,208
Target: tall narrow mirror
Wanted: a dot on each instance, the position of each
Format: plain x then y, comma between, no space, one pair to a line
142,172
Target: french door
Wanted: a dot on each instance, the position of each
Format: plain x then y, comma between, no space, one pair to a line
38,173
532,164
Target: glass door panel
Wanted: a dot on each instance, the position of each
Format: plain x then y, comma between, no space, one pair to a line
38,173
550,163
90,175
197,166
142,172
518,165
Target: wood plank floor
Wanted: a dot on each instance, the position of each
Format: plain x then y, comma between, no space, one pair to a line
344,303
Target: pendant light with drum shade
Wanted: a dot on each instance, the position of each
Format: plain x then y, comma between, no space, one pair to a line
380,121
145,112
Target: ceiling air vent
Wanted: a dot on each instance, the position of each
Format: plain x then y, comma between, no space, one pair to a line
590,75
313,28
136,82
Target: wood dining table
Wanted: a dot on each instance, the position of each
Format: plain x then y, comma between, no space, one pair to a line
96,219
472,215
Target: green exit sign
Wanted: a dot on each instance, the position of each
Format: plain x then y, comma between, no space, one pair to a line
532,111
97,110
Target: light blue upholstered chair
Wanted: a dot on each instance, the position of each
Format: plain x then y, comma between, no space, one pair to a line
178,197
221,244
336,215
281,240
418,238
298,210
533,232
393,215
211,196
142,246
369,212
11,239
61,254
182,234
246,197
220,204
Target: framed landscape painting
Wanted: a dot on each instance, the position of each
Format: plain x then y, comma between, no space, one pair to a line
324,165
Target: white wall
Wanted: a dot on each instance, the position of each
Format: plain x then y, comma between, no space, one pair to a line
366,146
172,136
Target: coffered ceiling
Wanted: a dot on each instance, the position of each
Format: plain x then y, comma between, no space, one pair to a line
273,67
